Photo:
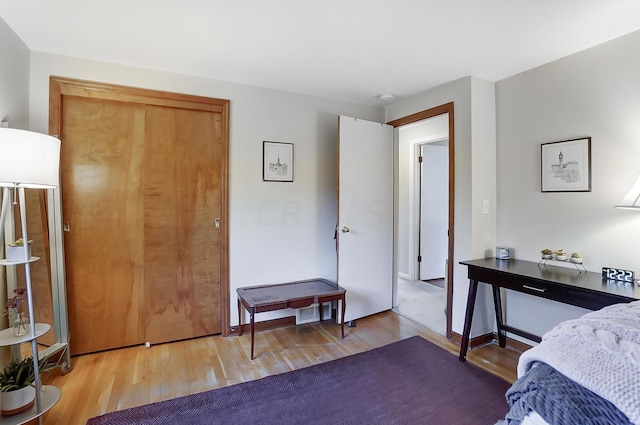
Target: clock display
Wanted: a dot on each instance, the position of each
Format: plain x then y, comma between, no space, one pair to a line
611,273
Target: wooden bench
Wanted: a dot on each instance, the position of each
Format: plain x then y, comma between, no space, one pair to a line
299,294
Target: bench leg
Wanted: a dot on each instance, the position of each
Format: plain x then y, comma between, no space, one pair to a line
344,307
239,318
252,314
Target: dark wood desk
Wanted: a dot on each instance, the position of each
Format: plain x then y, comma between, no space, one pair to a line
565,285
258,299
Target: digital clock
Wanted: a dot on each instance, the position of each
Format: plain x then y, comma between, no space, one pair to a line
612,273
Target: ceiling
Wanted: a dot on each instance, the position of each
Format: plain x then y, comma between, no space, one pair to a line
354,50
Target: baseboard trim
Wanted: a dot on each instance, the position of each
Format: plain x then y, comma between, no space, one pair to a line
275,323
518,345
265,325
490,338
473,342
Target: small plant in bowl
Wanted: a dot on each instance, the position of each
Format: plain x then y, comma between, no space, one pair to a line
560,255
15,250
17,381
20,242
547,254
576,258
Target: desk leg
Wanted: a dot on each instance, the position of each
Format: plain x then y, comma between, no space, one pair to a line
497,304
239,318
471,302
253,329
344,307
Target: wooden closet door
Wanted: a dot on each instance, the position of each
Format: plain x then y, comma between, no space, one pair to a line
143,182
181,242
103,208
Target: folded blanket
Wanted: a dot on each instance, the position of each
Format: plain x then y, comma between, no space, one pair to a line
600,351
558,400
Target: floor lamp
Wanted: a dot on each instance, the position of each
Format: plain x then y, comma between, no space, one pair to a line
28,160
632,200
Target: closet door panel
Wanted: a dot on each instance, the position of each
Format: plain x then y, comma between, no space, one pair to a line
103,205
181,242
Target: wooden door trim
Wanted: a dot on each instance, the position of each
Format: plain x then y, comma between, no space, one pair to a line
447,108
60,86
90,89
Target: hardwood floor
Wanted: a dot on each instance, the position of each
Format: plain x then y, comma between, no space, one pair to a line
119,379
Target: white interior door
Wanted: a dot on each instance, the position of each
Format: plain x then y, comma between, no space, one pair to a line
365,216
434,210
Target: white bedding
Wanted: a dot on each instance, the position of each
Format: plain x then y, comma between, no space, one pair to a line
600,351
534,419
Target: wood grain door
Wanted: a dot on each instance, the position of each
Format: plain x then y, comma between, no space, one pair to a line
143,184
181,203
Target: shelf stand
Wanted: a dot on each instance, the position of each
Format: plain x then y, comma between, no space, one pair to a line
27,273
27,160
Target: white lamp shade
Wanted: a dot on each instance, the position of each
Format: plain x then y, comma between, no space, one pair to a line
29,159
632,199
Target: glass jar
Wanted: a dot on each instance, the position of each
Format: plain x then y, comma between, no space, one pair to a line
20,324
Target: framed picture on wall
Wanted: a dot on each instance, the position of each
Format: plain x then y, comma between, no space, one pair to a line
566,166
277,158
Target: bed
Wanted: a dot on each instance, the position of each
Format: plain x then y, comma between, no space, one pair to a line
585,371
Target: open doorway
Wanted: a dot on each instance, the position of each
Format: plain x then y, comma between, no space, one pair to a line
425,211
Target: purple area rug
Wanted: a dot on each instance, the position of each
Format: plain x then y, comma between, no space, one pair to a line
408,382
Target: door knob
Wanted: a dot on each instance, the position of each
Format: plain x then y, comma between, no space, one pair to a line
345,229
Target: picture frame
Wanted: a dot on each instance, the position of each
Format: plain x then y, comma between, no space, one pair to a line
277,161
565,166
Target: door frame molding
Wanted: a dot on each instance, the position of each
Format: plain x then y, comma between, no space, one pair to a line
61,86
446,108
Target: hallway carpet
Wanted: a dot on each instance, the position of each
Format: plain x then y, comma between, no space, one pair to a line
423,303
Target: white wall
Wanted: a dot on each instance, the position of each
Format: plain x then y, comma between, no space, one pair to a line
278,231
14,79
14,108
474,133
592,93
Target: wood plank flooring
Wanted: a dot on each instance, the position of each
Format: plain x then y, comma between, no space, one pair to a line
119,379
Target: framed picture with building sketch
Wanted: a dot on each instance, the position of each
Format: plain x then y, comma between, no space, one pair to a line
566,166
277,160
